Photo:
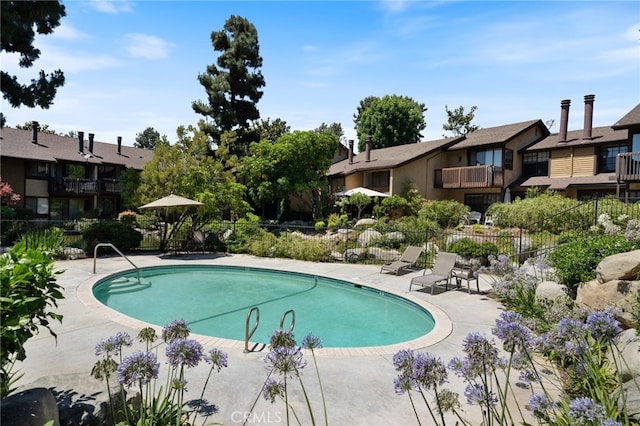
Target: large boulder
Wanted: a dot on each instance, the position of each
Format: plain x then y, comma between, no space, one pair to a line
32,407
365,222
623,266
368,236
617,293
627,355
550,290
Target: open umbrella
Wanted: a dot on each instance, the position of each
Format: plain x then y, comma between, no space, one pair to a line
166,203
361,190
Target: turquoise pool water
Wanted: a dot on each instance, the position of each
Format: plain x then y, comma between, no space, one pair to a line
215,300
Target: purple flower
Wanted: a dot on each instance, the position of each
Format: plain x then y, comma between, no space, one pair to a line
175,329
403,360
514,335
428,371
286,360
138,367
402,384
113,345
311,342
540,405
217,359
482,356
529,376
186,352
272,389
480,395
282,338
603,325
584,410
611,422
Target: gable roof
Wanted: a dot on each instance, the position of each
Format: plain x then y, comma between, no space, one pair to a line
599,135
386,158
53,148
495,135
632,118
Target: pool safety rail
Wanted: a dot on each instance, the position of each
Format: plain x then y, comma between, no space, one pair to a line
249,333
95,256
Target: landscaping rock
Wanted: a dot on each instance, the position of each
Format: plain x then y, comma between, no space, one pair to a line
628,345
550,290
632,397
623,266
365,222
73,253
383,254
32,407
395,236
616,293
367,236
355,254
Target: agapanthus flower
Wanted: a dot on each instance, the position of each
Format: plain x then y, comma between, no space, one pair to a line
113,345
403,383
428,371
403,360
216,358
448,401
480,395
187,352
482,356
611,422
281,337
585,411
139,367
147,334
179,384
272,389
176,329
529,376
603,326
514,335
311,342
286,360
540,405
104,368
567,339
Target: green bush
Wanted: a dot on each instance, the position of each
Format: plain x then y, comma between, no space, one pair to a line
50,240
447,213
123,236
575,261
127,217
29,291
470,249
417,229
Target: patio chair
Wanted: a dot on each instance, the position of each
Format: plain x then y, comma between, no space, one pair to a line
442,271
489,220
474,217
409,259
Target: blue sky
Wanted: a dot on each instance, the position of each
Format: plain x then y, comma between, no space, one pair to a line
130,65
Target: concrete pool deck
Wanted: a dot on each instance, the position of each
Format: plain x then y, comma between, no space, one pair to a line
357,382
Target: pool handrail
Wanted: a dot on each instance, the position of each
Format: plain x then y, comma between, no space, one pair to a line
95,256
247,333
293,320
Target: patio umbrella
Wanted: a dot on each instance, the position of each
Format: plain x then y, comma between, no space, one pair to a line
166,203
361,190
171,201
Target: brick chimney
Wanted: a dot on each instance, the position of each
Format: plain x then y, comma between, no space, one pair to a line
34,127
91,135
81,142
368,148
564,119
350,151
119,145
588,117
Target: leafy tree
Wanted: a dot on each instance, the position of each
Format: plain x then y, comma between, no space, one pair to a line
269,130
295,164
129,182
458,122
333,128
187,169
391,121
3,120
233,86
149,139
42,128
362,107
19,20
359,200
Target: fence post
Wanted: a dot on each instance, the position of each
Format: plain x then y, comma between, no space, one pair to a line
595,212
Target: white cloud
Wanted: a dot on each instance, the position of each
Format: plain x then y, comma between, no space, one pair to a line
68,32
147,46
112,7
309,48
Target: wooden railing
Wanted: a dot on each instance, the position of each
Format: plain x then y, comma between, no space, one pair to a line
469,177
628,167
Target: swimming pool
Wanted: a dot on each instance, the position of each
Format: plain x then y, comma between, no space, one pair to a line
215,300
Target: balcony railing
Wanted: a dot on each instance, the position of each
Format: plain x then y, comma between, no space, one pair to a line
69,186
110,186
628,167
469,177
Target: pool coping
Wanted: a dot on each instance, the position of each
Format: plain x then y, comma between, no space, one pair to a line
443,326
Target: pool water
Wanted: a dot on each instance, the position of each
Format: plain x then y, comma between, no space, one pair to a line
215,300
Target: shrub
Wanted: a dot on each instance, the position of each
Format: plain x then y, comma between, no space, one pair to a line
470,249
50,240
29,291
575,261
335,220
127,217
447,213
319,226
123,236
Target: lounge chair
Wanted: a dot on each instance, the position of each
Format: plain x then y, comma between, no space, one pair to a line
474,217
442,271
409,259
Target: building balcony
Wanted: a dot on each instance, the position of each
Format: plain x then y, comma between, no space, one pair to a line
469,177
628,167
110,186
70,186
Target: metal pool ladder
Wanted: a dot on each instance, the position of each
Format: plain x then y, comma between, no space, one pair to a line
249,333
95,256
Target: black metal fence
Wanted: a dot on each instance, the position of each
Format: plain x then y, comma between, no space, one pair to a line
366,244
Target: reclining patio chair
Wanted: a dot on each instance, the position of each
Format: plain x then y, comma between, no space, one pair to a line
409,259
442,271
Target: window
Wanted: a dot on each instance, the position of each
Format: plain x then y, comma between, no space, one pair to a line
635,143
489,157
38,169
38,205
508,159
535,164
607,157
379,179
481,202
